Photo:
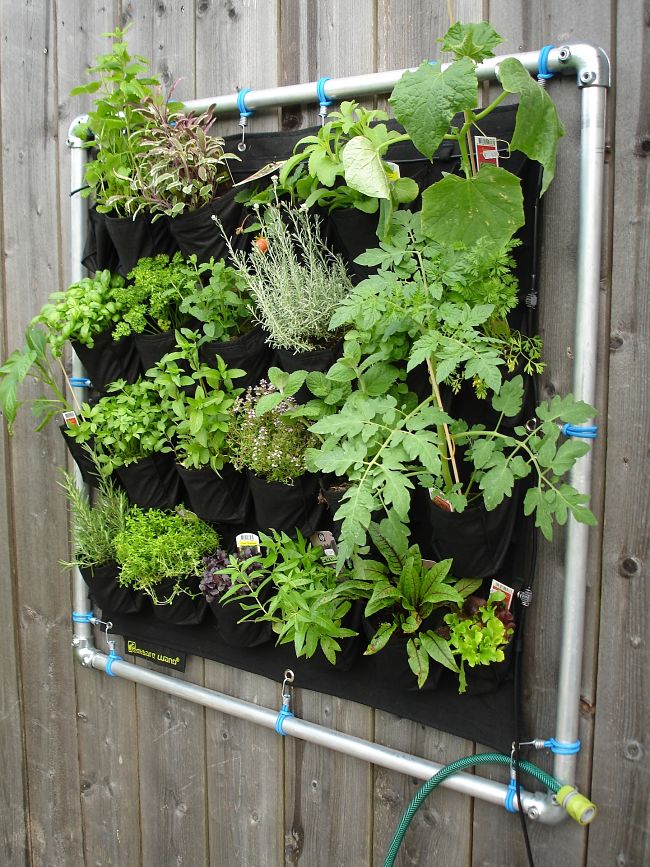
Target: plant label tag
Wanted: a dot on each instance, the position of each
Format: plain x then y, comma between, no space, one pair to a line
508,592
155,653
392,171
440,502
248,540
487,151
70,419
325,540
268,169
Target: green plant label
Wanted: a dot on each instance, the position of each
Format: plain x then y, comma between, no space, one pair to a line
155,653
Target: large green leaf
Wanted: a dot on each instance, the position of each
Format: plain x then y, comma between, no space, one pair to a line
464,210
364,168
537,127
425,101
471,40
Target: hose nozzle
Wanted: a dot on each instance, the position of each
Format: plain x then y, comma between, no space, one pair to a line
580,808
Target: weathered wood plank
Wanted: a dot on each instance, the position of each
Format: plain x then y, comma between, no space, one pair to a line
163,32
236,48
621,767
439,830
328,813
496,837
171,758
13,815
244,771
317,39
28,95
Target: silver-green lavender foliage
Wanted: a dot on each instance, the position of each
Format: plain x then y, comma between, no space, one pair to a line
297,283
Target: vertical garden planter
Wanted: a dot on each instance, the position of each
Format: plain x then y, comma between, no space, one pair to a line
106,592
134,239
286,508
250,352
152,483
109,360
152,347
99,251
233,632
317,360
219,498
196,233
184,610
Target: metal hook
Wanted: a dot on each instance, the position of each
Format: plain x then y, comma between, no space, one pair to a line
286,686
243,121
531,424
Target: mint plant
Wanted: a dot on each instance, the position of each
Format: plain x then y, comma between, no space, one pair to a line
197,402
308,603
223,305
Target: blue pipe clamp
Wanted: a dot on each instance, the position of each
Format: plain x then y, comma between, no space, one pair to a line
585,431
241,103
543,73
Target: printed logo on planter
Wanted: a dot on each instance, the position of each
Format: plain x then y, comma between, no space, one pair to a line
155,653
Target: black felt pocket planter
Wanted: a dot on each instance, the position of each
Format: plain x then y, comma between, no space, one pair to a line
317,360
392,669
221,498
183,610
106,592
485,679
152,347
234,633
81,458
109,360
99,251
152,482
137,238
195,232
250,352
287,508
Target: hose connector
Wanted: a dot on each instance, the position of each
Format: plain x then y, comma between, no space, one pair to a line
579,807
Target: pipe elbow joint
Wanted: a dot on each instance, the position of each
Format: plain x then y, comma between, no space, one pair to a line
85,654
78,132
590,62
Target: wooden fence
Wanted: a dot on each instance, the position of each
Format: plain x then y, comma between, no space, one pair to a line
100,772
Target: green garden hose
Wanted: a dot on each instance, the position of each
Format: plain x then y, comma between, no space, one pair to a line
577,806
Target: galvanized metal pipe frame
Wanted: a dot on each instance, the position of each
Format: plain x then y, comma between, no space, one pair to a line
591,67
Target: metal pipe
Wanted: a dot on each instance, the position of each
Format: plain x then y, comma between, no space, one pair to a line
589,62
592,71
538,805
592,167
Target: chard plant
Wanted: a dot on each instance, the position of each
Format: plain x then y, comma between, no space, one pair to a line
291,587
294,280
197,403
404,592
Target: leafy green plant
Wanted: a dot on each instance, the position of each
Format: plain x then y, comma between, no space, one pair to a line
125,426
120,85
309,603
151,302
180,167
406,591
223,306
96,525
87,308
478,632
155,546
34,361
351,144
272,445
296,283
198,403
